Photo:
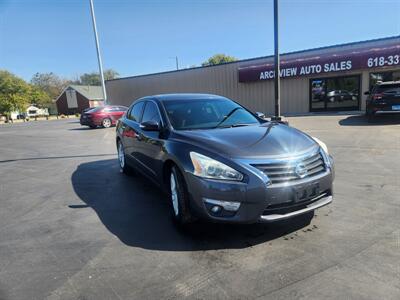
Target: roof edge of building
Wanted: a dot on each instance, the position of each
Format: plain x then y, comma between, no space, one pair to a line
262,57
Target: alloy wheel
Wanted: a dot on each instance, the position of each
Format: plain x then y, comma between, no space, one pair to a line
174,194
106,123
121,155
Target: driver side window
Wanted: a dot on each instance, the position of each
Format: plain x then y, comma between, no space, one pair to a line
151,113
136,112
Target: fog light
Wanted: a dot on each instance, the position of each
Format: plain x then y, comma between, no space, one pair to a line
226,205
215,209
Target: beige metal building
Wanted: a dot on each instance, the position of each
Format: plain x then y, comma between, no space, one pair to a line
330,78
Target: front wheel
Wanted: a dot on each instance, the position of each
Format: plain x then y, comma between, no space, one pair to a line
179,197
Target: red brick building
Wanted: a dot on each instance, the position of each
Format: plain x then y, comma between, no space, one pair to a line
75,98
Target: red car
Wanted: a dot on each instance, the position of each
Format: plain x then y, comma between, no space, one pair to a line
104,116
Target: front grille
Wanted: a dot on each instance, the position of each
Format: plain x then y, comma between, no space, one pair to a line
285,171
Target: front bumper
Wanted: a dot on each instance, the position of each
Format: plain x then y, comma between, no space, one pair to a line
259,201
89,122
314,204
86,122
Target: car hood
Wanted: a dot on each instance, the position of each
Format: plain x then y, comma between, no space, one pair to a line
270,140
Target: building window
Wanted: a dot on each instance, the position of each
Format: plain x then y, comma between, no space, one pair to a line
336,93
383,76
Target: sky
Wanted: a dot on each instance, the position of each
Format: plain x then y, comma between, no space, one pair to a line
141,37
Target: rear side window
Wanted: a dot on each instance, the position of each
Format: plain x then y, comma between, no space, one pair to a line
136,112
96,109
390,89
151,113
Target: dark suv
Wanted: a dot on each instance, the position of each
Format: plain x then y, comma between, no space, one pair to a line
383,98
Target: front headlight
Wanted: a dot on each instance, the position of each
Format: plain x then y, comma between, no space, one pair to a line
325,153
322,145
210,168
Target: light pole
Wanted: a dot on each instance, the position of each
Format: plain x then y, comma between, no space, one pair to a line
98,52
176,62
277,80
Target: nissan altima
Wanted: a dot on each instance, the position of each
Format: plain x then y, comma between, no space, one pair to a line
216,160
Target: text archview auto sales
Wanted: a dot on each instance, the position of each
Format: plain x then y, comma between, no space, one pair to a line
323,64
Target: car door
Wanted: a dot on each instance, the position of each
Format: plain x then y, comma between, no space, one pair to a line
151,142
114,113
130,133
121,111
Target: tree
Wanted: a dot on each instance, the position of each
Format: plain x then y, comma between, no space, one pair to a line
218,59
49,83
39,97
93,78
14,93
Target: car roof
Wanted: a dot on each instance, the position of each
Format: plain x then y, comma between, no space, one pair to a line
183,96
388,82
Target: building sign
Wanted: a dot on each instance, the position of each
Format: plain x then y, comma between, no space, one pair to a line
387,56
72,101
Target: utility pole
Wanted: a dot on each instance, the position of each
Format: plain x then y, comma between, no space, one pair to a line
98,52
277,116
176,61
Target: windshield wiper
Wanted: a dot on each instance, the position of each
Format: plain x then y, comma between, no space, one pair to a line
228,115
236,125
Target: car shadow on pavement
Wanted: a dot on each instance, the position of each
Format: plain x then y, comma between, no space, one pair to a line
380,120
135,211
81,128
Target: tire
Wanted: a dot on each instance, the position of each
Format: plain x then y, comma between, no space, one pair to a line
370,116
179,198
106,123
123,166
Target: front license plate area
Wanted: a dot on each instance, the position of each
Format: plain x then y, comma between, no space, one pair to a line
305,193
395,107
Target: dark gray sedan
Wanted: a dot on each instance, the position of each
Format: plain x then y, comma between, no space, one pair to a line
218,161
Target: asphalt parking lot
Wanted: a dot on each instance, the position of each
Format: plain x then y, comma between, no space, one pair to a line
73,227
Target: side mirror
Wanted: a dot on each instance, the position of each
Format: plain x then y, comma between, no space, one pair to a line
150,126
260,115
367,93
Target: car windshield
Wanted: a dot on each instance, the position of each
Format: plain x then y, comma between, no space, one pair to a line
207,114
95,109
389,88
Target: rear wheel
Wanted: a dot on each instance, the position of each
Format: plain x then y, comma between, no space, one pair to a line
106,123
179,197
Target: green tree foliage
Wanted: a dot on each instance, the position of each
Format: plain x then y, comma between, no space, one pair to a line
39,97
218,59
94,77
15,93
